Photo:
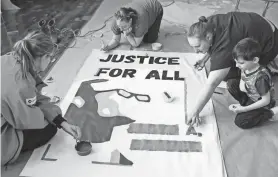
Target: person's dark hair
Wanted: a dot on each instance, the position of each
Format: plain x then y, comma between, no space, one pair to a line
126,14
201,28
247,48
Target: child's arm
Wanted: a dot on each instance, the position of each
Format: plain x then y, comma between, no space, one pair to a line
263,87
259,104
242,86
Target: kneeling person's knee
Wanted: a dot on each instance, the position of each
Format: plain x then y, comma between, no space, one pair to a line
243,123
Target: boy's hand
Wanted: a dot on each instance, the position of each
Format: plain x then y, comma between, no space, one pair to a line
236,108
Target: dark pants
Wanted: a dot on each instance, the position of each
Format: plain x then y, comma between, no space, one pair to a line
35,138
152,34
248,119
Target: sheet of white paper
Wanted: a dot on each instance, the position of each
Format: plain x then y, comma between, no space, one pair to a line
156,143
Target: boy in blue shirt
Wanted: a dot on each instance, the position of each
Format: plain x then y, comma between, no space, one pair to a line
255,89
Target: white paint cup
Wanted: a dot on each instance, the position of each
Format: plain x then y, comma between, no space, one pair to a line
156,46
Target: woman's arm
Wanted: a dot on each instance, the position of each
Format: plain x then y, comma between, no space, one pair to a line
115,41
134,41
214,79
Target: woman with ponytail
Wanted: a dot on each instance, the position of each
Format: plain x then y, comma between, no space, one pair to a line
216,37
28,119
138,21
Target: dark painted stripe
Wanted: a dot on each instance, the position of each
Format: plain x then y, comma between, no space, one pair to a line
161,129
109,163
45,152
185,100
165,145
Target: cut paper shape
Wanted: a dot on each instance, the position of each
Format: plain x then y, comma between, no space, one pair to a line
127,94
45,152
119,158
165,145
108,163
106,111
78,101
124,160
115,156
139,128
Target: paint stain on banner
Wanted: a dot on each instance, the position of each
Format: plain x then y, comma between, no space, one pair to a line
139,128
165,145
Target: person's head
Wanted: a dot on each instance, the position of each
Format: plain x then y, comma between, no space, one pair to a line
247,53
200,35
34,52
125,17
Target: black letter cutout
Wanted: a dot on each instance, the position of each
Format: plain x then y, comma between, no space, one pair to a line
102,70
44,154
191,131
153,73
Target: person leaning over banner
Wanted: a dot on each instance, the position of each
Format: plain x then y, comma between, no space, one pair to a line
138,21
216,38
254,90
28,119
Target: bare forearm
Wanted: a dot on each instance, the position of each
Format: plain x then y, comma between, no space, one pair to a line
259,104
206,57
203,98
113,43
130,38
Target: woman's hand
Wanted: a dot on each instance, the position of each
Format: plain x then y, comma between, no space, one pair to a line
193,119
127,32
73,130
199,65
104,47
236,108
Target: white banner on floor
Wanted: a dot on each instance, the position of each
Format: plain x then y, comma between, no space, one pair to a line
132,107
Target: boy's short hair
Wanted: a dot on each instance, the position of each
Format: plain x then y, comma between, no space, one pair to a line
247,48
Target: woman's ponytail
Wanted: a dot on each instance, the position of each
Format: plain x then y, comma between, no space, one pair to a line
201,28
35,45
